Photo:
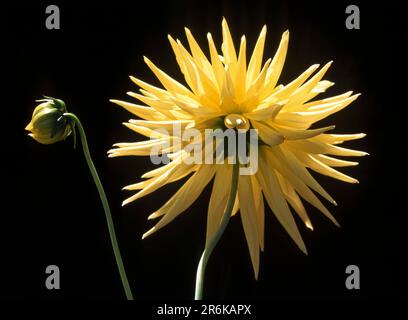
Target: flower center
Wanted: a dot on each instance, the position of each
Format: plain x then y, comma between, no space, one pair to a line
236,121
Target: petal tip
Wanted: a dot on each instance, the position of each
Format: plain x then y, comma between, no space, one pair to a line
152,216
148,233
309,225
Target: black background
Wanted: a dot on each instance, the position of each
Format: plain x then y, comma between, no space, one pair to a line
51,211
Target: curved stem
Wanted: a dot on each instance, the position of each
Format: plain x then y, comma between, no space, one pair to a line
105,204
213,242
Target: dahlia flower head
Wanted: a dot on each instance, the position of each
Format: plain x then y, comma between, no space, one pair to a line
223,90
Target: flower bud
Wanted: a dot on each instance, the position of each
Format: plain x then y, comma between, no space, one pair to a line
48,125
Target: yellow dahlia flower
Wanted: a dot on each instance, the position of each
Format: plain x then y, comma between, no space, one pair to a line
223,91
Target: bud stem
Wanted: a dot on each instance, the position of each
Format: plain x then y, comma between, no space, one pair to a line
213,242
102,195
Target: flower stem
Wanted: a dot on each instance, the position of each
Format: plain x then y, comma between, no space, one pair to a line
213,242
105,204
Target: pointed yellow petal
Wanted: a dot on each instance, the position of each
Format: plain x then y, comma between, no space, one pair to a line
301,94
255,87
298,184
327,102
324,169
179,57
217,66
285,91
202,84
219,198
264,112
169,83
142,148
296,134
288,160
152,134
267,134
256,59
173,174
184,197
160,170
307,118
228,48
274,197
319,104
164,106
240,74
169,126
140,111
294,200
159,93
249,222
314,146
196,51
259,210
138,144
321,87
195,109
228,92
333,162
156,103
278,61
340,138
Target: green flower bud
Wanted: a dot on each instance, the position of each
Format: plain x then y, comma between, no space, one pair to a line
48,124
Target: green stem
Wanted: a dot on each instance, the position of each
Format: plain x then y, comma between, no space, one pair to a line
105,204
213,242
